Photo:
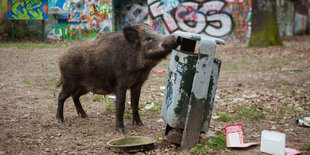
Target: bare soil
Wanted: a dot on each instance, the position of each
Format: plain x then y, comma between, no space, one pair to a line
28,106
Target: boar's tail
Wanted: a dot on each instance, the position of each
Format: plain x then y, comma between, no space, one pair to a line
57,86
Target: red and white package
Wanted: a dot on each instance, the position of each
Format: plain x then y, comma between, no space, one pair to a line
290,151
234,137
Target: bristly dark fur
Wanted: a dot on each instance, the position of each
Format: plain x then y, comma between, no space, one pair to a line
112,63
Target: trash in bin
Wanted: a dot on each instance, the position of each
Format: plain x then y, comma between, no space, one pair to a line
234,137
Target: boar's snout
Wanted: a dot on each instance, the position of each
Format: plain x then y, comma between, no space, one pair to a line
171,42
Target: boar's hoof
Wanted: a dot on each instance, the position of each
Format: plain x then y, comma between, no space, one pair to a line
138,123
82,114
60,119
120,130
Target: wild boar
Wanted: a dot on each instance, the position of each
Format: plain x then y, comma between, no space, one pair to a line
112,63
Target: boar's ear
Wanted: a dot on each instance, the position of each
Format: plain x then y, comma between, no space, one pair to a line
131,34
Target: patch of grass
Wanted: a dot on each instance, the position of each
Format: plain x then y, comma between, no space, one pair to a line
285,107
26,81
227,98
257,116
109,109
249,110
288,91
243,61
53,63
231,68
200,148
127,115
225,116
308,109
217,143
157,107
31,45
53,79
307,147
251,69
144,113
35,98
274,118
97,98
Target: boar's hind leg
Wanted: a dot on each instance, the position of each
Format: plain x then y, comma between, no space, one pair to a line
63,95
135,95
76,99
120,108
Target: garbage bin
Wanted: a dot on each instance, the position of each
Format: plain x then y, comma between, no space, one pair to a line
191,85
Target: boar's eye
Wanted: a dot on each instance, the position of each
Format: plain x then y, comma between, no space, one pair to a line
148,38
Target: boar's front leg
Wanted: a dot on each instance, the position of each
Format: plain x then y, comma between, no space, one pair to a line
120,108
135,95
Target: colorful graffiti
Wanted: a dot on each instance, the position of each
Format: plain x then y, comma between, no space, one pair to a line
241,11
27,9
217,18
80,19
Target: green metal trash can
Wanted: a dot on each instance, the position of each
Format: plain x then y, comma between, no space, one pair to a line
191,86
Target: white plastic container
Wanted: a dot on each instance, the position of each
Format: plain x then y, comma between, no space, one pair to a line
273,142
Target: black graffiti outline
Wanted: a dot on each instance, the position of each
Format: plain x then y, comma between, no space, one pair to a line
208,22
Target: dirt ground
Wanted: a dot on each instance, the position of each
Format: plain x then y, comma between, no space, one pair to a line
256,89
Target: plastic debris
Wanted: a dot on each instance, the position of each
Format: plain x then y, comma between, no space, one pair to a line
160,121
160,138
272,142
251,96
162,87
215,117
112,96
238,99
305,122
234,137
290,151
149,106
217,97
161,71
255,135
291,69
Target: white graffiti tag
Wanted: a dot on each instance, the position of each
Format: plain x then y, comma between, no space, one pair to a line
206,18
136,13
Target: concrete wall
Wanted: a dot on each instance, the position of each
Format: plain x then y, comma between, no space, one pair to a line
227,19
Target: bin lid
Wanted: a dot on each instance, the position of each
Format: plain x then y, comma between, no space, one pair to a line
198,37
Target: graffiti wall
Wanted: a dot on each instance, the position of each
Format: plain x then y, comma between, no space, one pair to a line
229,19
130,12
78,19
285,17
27,9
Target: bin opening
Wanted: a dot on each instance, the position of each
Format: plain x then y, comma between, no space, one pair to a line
188,45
